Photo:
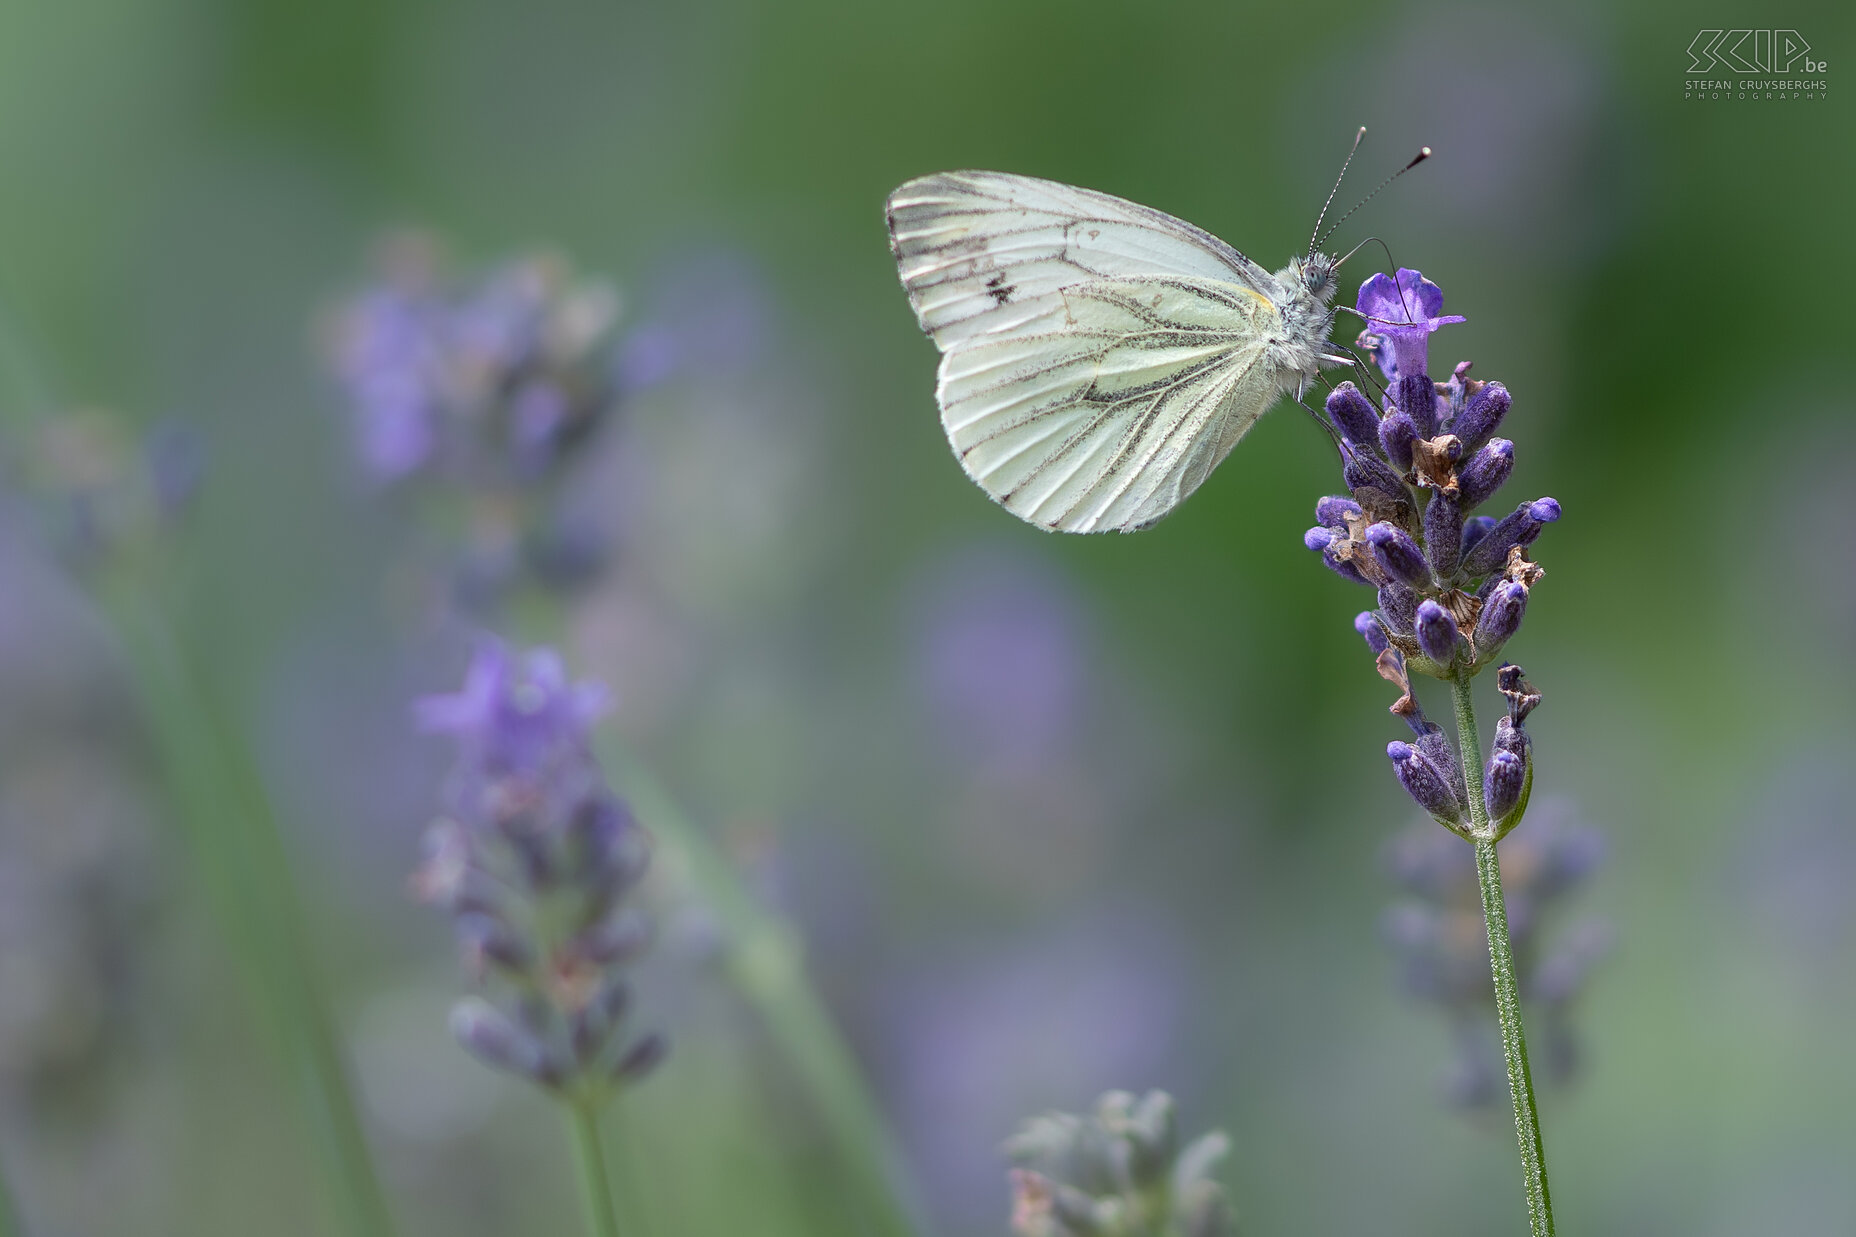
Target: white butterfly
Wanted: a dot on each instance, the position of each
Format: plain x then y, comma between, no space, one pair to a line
1099,358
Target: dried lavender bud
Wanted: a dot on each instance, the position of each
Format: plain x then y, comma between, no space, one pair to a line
1367,624
1327,543
1519,528
1443,533
1512,682
1398,605
1416,397
1353,415
1425,783
1487,471
1344,568
1481,416
1501,784
1397,432
1399,554
1335,510
1501,617
1437,634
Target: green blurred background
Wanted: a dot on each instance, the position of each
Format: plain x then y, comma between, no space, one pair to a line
1158,861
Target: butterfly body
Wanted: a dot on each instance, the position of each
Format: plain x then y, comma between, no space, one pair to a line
1099,358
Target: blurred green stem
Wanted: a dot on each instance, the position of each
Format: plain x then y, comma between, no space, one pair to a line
590,1163
1501,963
244,872
764,960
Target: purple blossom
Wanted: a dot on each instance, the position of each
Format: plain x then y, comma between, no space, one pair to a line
533,860
491,378
1402,311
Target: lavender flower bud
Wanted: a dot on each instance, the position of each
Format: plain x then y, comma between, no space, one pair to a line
487,939
1519,528
1475,528
1318,539
1486,472
1399,554
1436,746
494,1038
1501,785
1399,607
1482,415
643,1057
1416,397
1424,782
1443,533
1437,634
1376,486
1396,434
1367,624
1335,510
1501,617
1353,415
1511,736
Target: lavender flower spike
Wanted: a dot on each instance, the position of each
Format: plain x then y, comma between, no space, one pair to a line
533,859
1402,311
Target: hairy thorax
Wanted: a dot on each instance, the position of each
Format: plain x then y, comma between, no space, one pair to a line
1308,285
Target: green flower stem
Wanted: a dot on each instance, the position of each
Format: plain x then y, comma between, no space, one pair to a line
590,1166
765,963
244,872
1501,963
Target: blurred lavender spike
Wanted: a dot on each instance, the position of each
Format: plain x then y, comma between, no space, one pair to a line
534,859
1117,1172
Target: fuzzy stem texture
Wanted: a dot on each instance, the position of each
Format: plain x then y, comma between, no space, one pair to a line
1501,963
590,1161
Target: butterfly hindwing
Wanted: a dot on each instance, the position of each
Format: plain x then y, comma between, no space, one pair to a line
1107,407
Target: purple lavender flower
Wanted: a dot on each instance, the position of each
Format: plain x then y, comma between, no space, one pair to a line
1402,311
534,859
493,379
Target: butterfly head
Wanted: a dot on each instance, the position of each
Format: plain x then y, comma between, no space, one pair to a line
1315,274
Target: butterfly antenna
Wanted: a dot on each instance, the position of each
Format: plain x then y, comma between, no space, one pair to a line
1336,189
1424,152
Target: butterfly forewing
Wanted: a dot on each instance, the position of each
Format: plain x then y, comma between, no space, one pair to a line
1114,403
983,251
